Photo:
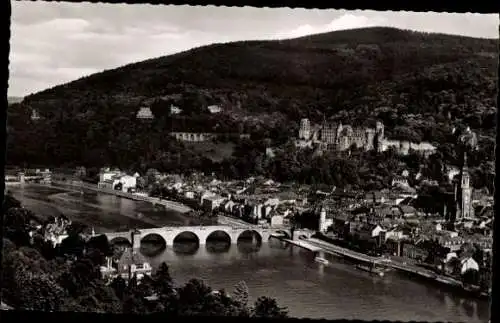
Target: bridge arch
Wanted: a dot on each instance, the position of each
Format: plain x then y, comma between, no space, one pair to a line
219,241
250,235
218,235
120,241
153,243
186,242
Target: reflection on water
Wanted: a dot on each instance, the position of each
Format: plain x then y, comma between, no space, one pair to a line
275,269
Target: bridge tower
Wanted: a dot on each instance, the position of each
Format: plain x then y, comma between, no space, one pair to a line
135,239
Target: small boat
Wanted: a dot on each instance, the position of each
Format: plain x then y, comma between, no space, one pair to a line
321,260
372,270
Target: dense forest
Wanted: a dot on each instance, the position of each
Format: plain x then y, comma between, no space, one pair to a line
37,276
420,85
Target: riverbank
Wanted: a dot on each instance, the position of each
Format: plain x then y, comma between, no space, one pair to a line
400,266
170,205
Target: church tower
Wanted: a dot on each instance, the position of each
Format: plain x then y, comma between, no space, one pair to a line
464,207
379,136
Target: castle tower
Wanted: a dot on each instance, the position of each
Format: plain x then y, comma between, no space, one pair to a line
135,239
305,129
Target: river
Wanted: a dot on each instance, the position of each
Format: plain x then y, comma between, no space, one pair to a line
279,270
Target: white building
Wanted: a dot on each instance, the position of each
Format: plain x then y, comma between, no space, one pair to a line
107,174
277,220
468,264
214,109
145,113
212,202
175,110
34,115
324,222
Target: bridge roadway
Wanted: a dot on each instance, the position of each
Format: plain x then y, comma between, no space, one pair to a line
201,232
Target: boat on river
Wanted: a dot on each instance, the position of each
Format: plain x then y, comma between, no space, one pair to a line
321,260
372,269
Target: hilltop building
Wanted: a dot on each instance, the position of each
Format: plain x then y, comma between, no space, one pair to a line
145,113
34,115
341,137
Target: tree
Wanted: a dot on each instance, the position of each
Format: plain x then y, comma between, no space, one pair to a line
73,245
240,293
119,285
268,307
100,243
194,297
162,281
16,225
471,277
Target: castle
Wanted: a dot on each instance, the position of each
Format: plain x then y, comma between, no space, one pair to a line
343,137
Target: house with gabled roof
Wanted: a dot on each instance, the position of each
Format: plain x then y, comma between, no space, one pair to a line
133,263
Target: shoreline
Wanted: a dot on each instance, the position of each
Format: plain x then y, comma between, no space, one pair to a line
168,204
438,280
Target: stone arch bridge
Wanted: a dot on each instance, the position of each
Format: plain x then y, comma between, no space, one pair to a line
169,234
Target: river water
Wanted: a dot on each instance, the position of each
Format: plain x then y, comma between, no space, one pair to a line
276,269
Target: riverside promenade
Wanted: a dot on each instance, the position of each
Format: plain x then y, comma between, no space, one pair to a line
171,205
336,250
396,264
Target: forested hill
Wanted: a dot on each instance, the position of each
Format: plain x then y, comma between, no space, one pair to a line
419,84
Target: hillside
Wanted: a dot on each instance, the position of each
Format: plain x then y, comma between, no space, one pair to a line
419,84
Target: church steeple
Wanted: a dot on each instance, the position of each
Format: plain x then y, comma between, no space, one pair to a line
465,210
465,173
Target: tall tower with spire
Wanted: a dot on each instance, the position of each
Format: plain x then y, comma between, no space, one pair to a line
464,205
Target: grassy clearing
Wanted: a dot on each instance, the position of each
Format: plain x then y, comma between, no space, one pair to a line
215,151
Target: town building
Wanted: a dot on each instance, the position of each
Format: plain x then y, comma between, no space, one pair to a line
130,264
117,180
324,220
212,202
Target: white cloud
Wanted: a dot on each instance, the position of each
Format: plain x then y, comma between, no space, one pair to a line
56,42
346,21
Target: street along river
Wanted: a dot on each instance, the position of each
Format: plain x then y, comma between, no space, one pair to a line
288,273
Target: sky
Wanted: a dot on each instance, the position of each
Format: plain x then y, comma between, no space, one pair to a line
54,43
